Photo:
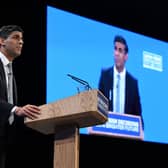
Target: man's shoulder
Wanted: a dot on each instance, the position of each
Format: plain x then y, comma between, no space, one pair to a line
107,69
131,76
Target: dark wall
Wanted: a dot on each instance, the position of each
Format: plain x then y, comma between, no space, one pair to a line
99,151
145,17
33,149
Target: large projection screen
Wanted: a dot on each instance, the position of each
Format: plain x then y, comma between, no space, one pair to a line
82,47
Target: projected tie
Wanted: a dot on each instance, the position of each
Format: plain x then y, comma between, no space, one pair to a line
118,94
10,83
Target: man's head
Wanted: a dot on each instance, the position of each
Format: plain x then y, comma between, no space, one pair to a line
11,41
120,52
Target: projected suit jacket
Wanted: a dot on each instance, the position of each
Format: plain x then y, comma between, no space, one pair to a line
132,98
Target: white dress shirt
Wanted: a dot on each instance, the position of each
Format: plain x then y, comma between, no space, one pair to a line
122,89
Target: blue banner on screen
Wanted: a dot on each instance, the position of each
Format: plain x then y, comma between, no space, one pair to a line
119,125
81,46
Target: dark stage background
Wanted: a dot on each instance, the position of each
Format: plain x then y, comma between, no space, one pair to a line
32,149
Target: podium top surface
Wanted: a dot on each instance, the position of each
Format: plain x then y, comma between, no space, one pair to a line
85,109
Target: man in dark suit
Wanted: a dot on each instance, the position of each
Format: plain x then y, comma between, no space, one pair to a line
11,43
129,97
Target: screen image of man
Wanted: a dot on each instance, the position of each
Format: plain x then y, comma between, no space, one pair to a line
118,85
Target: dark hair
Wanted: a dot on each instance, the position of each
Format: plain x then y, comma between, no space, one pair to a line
122,40
6,30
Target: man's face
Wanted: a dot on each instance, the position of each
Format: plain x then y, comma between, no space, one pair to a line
120,56
13,44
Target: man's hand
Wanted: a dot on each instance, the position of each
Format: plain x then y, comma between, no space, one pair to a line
30,111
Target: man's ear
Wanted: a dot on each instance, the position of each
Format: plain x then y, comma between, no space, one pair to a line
126,57
2,41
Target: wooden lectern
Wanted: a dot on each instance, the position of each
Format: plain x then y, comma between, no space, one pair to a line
63,118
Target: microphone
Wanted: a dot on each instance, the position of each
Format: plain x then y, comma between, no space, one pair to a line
81,81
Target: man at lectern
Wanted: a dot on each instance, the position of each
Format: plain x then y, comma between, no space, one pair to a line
118,85
11,43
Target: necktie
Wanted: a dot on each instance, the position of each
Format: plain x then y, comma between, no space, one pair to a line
10,90
118,94
10,83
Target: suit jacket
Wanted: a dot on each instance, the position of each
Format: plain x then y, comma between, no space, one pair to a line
132,98
5,107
